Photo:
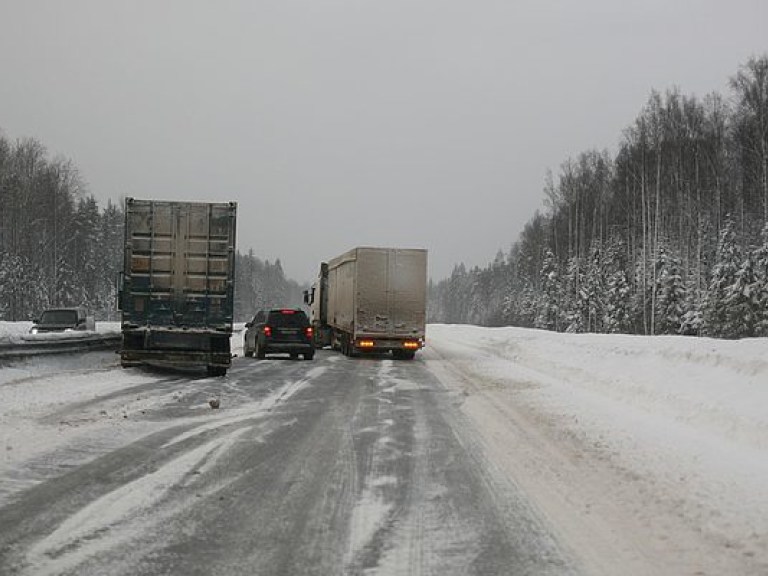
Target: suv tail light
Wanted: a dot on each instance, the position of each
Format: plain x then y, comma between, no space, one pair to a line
267,331
308,331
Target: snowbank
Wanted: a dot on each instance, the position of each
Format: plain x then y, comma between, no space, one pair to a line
682,420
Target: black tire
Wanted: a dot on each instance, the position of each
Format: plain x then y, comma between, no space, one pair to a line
260,354
294,355
309,355
215,371
248,352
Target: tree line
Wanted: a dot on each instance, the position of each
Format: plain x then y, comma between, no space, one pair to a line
59,248
669,235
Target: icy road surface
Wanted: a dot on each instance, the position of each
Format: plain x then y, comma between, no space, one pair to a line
495,452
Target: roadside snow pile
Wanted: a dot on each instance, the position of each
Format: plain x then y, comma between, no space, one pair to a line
720,387
18,332
12,330
683,418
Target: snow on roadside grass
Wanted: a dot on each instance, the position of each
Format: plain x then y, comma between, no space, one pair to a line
686,416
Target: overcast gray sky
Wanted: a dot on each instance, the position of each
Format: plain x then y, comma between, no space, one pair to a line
338,123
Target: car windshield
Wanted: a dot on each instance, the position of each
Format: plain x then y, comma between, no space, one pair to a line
288,318
59,317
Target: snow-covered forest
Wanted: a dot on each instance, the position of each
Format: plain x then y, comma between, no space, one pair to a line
668,235
58,247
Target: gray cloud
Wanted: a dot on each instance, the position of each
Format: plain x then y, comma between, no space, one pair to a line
336,123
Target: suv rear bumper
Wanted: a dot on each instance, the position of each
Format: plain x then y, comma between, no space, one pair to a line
289,347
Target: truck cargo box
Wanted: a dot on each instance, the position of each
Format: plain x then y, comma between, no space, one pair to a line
177,293
373,299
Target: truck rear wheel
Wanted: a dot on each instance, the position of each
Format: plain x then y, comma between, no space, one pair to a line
346,346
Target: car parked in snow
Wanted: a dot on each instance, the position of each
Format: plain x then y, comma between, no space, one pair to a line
285,330
63,320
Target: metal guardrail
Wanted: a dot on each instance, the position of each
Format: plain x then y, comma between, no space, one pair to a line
37,345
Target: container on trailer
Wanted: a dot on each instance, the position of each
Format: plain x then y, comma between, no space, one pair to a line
177,286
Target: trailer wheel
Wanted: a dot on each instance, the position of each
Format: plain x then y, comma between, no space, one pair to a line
346,345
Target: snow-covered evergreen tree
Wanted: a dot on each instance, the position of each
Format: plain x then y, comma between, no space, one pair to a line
549,312
109,261
5,286
670,293
616,318
743,314
692,320
576,298
718,319
21,288
594,289
760,258
83,256
528,306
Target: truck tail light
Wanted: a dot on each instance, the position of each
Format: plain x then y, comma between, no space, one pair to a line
411,345
268,331
365,344
308,331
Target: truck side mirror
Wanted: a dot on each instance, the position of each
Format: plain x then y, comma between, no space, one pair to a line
306,297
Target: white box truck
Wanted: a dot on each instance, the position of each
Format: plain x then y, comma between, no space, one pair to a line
371,300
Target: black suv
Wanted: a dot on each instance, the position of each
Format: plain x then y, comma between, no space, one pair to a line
281,330
63,320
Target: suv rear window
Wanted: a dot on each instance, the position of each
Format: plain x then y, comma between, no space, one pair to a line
288,318
59,317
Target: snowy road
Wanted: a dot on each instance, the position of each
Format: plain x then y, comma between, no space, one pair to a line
337,466
495,452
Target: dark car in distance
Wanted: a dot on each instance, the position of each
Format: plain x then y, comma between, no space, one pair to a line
283,330
63,320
